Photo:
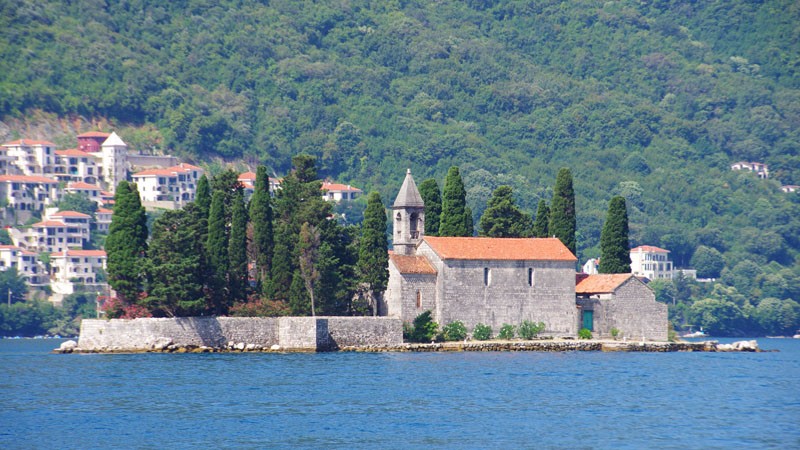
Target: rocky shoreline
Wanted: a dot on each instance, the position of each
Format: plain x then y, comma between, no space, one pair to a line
550,345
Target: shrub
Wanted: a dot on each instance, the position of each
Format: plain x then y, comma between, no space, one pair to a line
529,330
507,331
482,332
454,331
584,333
424,328
615,333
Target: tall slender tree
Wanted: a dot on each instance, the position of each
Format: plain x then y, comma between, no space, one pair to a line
562,210
308,250
263,236
541,224
502,218
217,249
373,255
237,250
429,191
615,254
126,245
455,218
202,196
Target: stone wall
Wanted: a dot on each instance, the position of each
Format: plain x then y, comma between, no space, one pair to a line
289,333
632,309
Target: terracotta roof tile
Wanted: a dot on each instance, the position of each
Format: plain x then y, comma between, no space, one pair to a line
19,142
412,264
96,253
649,248
328,186
82,185
71,214
26,179
48,224
602,283
91,134
513,249
74,152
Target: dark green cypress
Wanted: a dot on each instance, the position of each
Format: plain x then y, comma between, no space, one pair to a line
502,218
373,255
217,249
237,251
126,245
455,219
563,221
202,196
614,247
429,191
541,225
263,235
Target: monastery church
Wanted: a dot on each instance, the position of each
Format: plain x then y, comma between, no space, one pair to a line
496,281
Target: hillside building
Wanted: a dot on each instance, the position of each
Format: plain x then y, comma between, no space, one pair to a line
170,188
337,192
651,262
760,169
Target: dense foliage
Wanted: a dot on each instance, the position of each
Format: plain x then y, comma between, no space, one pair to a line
563,215
455,220
648,100
432,197
126,245
614,246
502,218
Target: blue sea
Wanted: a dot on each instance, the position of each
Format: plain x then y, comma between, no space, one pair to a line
399,400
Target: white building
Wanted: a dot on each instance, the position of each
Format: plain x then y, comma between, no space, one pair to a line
90,191
77,227
76,271
115,164
761,169
337,192
29,157
170,188
26,262
76,165
103,219
28,192
591,266
651,262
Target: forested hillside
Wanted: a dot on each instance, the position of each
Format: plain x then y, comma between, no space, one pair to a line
649,100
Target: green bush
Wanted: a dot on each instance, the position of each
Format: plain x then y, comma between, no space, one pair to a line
529,330
482,332
507,331
424,328
454,331
615,333
584,333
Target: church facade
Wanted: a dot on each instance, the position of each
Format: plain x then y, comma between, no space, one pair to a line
497,281
475,280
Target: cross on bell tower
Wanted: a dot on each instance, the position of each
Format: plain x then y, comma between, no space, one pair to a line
408,218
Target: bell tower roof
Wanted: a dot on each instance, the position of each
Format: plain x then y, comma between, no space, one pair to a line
409,194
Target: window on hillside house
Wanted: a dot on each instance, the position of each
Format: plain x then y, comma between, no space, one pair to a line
487,276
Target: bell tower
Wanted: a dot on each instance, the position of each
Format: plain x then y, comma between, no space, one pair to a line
408,218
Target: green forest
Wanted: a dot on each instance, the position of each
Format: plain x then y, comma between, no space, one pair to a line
652,101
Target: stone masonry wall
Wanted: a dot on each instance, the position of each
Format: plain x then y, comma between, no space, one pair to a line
633,310
290,333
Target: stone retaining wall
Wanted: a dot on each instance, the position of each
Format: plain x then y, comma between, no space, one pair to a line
289,333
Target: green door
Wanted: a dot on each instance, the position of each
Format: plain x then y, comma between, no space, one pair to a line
588,320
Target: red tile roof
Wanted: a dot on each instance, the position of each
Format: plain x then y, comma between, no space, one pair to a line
649,248
412,264
71,214
510,249
328,186
104,211
31,142
74,152
82,185
250,176
169,171
97,253
91,134
26,179
602,283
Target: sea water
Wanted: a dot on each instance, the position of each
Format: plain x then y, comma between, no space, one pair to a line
399,400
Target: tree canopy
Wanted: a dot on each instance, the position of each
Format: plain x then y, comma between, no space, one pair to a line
614,245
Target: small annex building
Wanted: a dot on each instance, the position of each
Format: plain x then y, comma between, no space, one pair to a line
620,301
475,280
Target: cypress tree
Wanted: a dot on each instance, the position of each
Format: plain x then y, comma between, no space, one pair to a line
261,218
217,249
126,244
562,210
502,218
237,251
176,264
469,224
614,247
202,196
373,255
308,250
429,191
456,220
541,224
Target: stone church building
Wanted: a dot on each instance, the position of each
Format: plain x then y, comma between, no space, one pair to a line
493,281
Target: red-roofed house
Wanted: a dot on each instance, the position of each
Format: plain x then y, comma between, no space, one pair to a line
170,188
90,191
92,141
476,280
337,192
30,157
621,301
651,262
77,165
78,226
103,219
76,271
28,192
27,264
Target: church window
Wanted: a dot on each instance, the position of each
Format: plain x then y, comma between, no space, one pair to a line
419,300
530,276
487,276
